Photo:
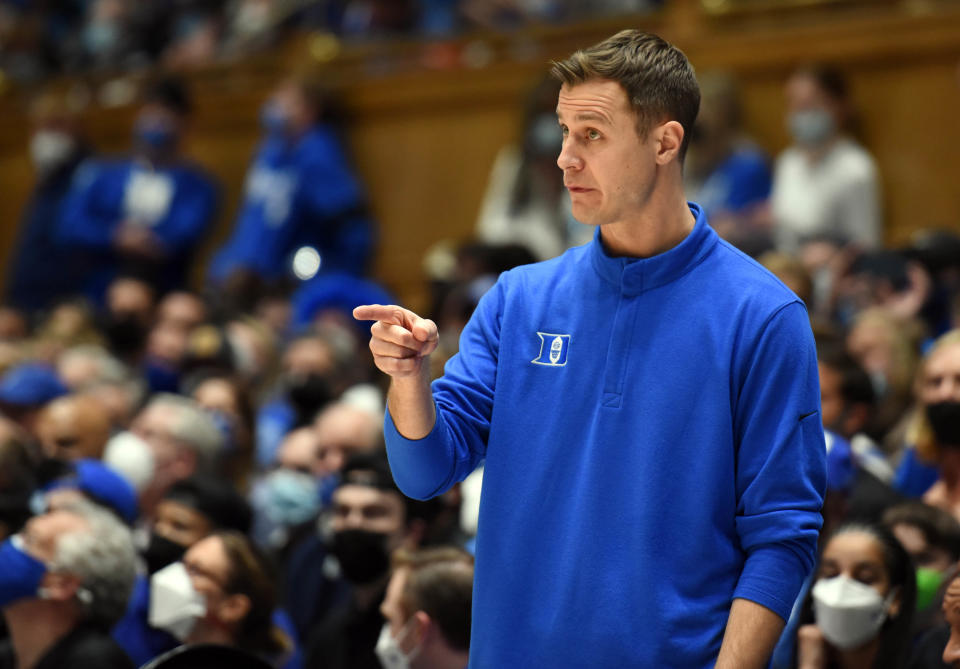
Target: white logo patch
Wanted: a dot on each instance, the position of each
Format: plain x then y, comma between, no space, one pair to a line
554,349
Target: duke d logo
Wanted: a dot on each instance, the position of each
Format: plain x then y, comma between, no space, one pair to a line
553,349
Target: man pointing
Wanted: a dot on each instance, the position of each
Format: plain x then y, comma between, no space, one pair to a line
646,405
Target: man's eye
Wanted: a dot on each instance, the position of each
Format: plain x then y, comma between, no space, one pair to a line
593,134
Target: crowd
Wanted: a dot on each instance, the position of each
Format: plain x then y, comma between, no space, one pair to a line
200,476
39,39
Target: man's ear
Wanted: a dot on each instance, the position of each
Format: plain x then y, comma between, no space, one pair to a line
423,628
234,608
669,140
59,587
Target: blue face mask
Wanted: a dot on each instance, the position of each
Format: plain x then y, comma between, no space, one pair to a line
155,136
274,119
292,497
20,572
811,127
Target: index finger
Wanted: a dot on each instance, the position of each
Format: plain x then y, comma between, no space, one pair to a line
388,313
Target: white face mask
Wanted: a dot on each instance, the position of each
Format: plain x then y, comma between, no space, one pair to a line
388,649
50,148
175,606
132,457
849,613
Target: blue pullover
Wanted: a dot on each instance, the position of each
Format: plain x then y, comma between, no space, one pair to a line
177,205
653,450
300,194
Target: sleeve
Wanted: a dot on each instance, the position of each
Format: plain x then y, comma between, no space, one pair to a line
781,461
86,218
427,467
190,215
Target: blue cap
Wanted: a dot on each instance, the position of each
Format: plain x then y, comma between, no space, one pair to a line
30,384
103,485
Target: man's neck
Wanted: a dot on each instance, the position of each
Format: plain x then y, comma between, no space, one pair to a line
211,634
35,628
664,223
442,657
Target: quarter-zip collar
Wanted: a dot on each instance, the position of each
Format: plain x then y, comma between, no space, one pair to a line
633,276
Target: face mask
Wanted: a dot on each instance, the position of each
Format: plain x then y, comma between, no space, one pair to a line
132,457
308,394
175,606
945,421
811,127
49,149
274,119
292,497
155,136
125,334
362,555
20,572
849,613
928,583
388,649
101,37
161,552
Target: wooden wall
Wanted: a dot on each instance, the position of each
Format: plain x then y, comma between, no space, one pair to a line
424,136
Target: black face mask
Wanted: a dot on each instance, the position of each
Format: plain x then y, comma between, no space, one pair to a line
945,420
309,394
125,334
161,552
362,555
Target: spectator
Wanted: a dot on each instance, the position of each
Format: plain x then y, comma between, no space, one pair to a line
932,538
300,193
147,212
342,430
91,481
940,648
726,172
66,579
222,593
127,317
189,511
25,390
825,185
932,467
57,147
335,606
427,610
73,427
311,376
183,440
861,603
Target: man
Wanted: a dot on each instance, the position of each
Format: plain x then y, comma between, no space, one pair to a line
183,440
25,389
146,213
65,580
336,607
647,407
73,427
427,609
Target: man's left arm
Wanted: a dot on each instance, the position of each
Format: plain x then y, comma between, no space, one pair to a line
780,482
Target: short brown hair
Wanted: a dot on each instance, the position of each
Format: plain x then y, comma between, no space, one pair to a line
656,76
441,585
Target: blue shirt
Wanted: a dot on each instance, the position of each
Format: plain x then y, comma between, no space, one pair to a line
653,450
297,195
742,180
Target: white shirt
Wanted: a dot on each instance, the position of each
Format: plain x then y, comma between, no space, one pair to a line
835,195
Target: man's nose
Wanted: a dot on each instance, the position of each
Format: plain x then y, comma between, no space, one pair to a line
569,157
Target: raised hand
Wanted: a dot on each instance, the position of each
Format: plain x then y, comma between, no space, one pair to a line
400,340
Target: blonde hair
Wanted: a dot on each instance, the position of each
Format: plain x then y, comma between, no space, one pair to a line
919,431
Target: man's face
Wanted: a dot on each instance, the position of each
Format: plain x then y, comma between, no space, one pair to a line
300,451
359,507
392,607
41,532
73,428
182,310
342,431
607,167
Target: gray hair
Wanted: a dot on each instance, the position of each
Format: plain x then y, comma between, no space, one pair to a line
193,427
102,556
109,368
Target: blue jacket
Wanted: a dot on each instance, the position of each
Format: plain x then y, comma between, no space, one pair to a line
298,195
102,196
653,450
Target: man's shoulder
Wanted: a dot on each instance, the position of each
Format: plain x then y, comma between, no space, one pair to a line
567,262
749,280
